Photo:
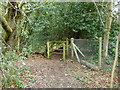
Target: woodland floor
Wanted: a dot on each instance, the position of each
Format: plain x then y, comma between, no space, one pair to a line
53,73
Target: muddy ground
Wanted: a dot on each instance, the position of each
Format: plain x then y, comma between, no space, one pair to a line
54,73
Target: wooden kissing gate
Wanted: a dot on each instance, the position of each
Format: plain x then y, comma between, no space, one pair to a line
52,46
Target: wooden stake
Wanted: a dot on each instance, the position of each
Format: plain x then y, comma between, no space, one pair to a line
115,61
100,51
72,52
76,53
67,47
79,50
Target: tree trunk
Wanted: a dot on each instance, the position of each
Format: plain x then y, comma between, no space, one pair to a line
107,28
18,37
9,24
5,24
11,19
6,27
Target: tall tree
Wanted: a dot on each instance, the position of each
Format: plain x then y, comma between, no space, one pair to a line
107,28
9,22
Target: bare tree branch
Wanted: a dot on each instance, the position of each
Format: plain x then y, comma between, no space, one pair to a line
6,11
20,11
24,14
99,13
15,17
38,7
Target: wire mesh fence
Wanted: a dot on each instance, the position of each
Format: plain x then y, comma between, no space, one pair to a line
90,50
88,47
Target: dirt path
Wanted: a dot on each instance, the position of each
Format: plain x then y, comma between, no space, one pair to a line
53,73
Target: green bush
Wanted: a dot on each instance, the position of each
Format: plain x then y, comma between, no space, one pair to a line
12,75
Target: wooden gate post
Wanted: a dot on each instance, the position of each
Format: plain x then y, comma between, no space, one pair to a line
52,47
63,52
67,47
100,52
72,41
48,53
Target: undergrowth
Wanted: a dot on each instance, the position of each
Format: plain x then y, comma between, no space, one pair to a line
13,70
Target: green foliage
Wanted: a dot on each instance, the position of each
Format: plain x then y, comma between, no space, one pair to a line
58,21
11,74
109,69
54,21
94,62
25,52
108,61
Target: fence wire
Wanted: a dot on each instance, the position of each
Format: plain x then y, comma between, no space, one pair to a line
89,48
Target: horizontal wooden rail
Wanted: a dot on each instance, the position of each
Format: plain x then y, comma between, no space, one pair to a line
59,49
57,41
58,45
57,53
